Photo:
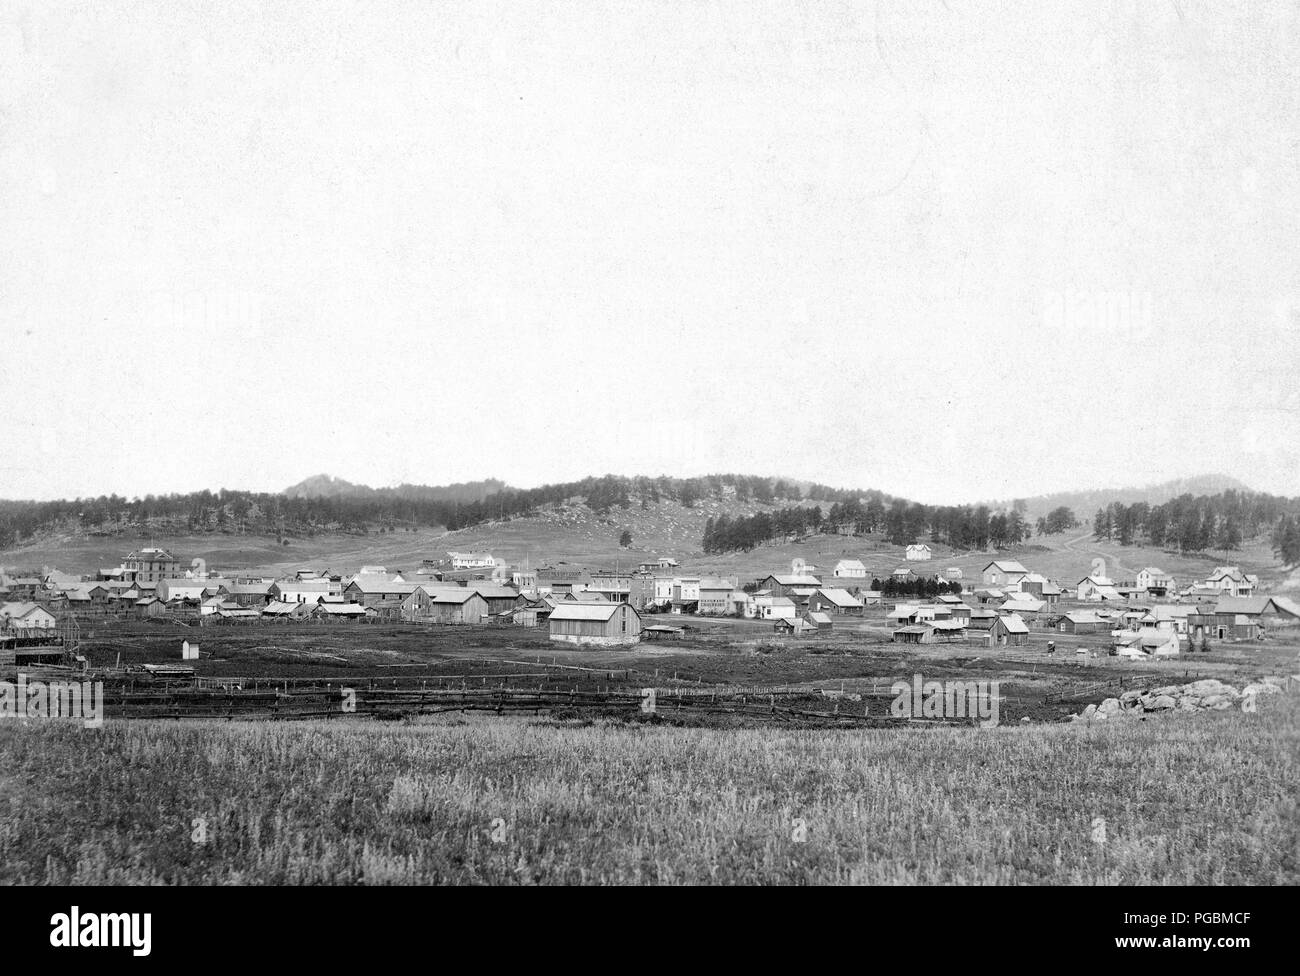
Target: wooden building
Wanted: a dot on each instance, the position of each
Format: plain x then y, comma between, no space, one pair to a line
595,623
444,605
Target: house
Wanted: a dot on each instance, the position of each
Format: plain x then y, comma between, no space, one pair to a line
147,566
782,584
1231,581
25,589
1040,587
683,593
150,607
914,634
1266,612
300,590
472,560
1024,605
1007,629
248,593
635,588
372,590
831,599
715,596
1003,573
820,621
19,617
441,604
952,574
581,596
961,613
850,569
907,613
1167,616
1096,589
281,610
560,581
1082,622
595,624
933,632
1147,642
1154,581
768,607
340,611
170,590
658,564
917,552
499,598
793,627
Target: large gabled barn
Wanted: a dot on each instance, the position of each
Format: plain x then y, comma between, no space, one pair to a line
595,623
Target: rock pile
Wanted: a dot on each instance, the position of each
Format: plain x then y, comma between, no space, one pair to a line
1209,693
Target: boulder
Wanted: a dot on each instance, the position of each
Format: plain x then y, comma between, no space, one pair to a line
1218,702
1088,712
1260,688
1161,703
1110,706
1206,687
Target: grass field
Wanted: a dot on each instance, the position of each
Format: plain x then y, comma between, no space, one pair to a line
1185,799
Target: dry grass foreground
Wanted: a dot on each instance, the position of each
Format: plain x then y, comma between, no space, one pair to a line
1185,799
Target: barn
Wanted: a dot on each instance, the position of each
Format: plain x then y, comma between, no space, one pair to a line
595,623
444,605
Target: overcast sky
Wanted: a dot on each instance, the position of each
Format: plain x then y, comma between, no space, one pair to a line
952,251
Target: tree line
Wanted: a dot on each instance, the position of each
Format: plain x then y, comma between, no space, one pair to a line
1198,523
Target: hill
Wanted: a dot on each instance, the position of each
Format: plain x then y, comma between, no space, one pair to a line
1085,503
327,486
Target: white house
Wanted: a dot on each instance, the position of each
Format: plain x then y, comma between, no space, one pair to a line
301,591
1146,642
25,616
1150,578
850,569
918,551
1096,589
472,560
1231,581
185,589
1004,572
771,608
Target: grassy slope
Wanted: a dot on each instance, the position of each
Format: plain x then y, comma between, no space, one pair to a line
573,534
1187,799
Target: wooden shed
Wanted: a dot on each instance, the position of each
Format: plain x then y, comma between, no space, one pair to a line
444,605
595,623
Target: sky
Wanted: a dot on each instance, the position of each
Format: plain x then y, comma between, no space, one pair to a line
947,250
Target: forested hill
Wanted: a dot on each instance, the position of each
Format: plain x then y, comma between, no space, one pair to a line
789,509
325,504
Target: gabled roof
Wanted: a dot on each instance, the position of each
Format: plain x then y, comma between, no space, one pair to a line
585,611
1083,617
1015,624
1023,606
1007,566
789,580
17,611
1244,604
452,595
851,564
819,617
839,597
